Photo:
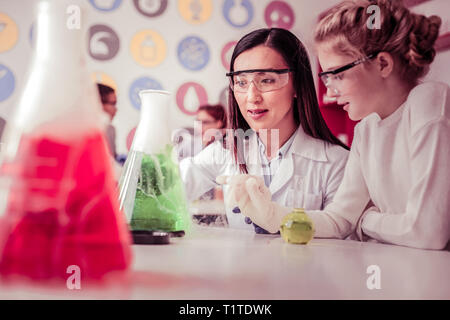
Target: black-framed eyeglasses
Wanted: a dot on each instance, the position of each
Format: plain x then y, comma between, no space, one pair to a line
325,76
264,79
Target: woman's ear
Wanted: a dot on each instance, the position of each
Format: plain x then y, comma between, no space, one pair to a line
385,64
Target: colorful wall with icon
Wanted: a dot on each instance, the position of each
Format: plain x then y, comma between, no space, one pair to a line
182,46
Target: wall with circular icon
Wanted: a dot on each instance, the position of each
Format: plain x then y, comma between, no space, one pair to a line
182,46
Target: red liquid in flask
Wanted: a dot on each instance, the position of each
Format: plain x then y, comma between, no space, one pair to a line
62,210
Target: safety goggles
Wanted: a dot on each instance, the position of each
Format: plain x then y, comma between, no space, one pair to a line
328,77
264,79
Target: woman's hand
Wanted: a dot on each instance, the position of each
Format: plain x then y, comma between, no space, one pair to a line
254,200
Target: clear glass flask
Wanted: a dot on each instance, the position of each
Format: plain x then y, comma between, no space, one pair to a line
151,191
58,207
297,227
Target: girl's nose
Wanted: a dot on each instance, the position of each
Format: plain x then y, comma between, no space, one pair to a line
332,92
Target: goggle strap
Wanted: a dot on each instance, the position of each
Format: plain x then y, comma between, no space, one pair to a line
279,71
349,66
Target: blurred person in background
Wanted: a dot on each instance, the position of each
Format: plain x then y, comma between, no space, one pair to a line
109,101
211,122
213,119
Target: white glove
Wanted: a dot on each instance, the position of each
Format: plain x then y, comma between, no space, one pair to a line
236,187
254,200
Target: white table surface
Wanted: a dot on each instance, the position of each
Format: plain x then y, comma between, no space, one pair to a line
222,263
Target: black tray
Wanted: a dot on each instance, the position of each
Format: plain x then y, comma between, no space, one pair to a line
150,237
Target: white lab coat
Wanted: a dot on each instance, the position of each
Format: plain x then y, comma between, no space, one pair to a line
314,166
400,163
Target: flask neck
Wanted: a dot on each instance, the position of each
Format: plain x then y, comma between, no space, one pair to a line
153,133
60,33
155,108
59,97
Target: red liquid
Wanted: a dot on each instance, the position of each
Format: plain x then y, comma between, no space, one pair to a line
63,210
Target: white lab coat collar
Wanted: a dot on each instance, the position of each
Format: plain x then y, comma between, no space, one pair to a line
303,145
308,147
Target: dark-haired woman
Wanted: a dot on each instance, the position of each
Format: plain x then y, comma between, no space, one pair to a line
276,131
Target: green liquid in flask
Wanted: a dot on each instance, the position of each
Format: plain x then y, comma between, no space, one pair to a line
160,202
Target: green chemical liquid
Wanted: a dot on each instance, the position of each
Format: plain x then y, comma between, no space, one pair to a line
297,227
160,202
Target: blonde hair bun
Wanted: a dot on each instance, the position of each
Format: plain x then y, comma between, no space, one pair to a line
422,39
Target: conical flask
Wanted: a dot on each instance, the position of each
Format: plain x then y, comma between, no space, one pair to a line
59,208
151,191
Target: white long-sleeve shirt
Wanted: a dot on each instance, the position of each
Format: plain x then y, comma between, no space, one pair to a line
401,164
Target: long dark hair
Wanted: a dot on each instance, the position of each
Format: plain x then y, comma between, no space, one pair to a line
306,110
